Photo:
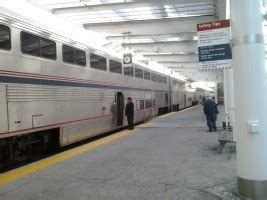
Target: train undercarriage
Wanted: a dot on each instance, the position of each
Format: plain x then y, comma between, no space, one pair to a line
28,147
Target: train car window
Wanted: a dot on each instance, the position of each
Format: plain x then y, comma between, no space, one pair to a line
68,54
148,103
5,38
164,80
80,57
160,79
115,67
154,77
140,105
48,49
128,71
38,46
30,44
174,82
147,75
73,55
139,73
98,62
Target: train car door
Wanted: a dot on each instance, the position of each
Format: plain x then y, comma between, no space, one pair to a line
120,108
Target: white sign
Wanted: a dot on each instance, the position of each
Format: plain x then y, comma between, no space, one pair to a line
214,48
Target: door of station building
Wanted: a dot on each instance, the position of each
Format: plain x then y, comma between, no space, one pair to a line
120,108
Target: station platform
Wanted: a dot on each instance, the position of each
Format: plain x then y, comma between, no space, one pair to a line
171,157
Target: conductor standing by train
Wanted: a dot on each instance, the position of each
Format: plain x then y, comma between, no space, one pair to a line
129,112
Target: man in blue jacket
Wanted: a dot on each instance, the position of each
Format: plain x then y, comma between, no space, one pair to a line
210,112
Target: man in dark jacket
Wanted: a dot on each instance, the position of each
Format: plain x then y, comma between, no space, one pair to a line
210,112
129,112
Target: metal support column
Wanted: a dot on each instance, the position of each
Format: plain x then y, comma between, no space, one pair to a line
225,89
250,97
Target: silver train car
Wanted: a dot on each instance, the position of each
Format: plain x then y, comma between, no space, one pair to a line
55,91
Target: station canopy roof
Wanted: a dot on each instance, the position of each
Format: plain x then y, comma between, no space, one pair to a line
162,31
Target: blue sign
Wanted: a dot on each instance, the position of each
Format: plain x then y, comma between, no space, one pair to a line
214,52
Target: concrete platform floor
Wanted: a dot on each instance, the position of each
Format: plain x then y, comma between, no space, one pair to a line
172,157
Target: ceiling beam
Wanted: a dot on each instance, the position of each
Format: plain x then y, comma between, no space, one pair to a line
85,6
185,71
169,54
151,27
149,36
163,47
215,77
144,20
193,43
155,43
174,58
183,68
180,64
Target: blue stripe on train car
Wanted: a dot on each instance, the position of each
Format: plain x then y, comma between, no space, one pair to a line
34,81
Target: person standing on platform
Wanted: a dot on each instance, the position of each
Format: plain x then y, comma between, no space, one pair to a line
209,110
129,112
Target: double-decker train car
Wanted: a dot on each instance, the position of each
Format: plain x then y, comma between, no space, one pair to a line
55,91
178,94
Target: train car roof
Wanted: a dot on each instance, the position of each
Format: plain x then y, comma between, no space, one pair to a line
15,20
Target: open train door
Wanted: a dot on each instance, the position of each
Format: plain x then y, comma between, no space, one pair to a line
120,108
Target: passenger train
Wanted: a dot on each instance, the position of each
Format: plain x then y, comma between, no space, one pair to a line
55,91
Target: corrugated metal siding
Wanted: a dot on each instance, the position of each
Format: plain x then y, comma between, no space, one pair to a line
18,93
76,132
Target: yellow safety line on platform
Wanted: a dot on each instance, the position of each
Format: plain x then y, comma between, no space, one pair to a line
44,163
145,125
167,115
188,109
